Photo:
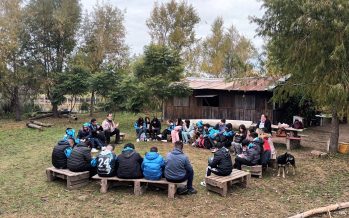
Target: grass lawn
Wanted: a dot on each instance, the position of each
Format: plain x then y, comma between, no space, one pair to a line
26,153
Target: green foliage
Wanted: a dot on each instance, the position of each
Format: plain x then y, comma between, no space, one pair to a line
226,53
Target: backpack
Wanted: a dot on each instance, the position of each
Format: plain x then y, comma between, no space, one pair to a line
143,137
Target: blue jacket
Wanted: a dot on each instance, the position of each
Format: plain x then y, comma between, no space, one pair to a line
177,165
171,127
152,166
136,126
212,133
229,134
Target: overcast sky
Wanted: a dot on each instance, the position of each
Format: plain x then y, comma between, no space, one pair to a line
233,12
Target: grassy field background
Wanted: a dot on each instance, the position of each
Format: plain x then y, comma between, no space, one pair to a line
24,192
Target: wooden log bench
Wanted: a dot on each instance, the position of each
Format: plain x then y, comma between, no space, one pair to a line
122,136
105,183
254,170
74,179
221,184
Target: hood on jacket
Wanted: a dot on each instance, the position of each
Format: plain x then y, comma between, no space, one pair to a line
151,155
176,151
63,142
127,152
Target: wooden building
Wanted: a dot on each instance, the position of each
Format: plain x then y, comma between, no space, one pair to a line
241,99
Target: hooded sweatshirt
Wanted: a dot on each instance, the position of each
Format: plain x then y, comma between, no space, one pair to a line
152,166
129,164
222,161
106,164
177,165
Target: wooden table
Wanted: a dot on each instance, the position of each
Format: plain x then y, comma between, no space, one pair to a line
292,137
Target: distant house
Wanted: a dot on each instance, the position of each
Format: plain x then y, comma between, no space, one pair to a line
241,99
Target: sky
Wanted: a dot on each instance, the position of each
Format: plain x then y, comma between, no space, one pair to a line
234,12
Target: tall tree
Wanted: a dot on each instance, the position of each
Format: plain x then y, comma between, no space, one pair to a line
52,29
173,24
226,53
17,77
104,43
310,41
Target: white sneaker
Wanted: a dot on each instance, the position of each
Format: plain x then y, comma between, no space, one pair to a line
164,140
137,140
203,183
148,140
160,135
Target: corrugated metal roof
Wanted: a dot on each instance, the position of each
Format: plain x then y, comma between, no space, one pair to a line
238,84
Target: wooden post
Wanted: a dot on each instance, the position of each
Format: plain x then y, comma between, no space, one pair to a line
104,186
138,188
171,191
225,189
49,175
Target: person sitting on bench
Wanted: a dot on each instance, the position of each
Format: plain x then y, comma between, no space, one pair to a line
253,154
155,127
238,138
106,162
220,164
129,163
153,164
140,128
97,133
110,128
167,131
178,168
187,131
227,136
61,152
81,160
84,132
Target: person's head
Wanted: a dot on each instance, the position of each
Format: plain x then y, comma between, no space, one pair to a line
263,118
179,121
85,126
71,141
228,127
154,149
245,142
147,119
222,121
250,131
110,116
206,126
70,132
187,123
94,121
254,135
129,145
178,145
140,121
170,122
242,128
110,147
216,127
155,118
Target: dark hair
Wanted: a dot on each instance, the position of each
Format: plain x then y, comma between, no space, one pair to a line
243,127
179,122
187,123
229,126
130,145
154,149
147,119
266,117
109,114
93,120
140,121
178,144
216,127
245,142
254,135
223,120
251,130
207,125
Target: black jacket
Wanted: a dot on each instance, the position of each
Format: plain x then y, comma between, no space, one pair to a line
129,165
267,126
59,159
155,123
80,158
222,161
83,134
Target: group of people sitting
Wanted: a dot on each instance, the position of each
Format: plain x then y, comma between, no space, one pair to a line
129,164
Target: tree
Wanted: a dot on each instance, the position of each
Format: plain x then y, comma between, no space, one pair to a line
310,41
173,24
226,53
104,43
51,29
17,77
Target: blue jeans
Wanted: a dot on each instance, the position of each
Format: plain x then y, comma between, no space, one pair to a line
139,132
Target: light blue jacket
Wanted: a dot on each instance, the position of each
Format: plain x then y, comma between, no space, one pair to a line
152,166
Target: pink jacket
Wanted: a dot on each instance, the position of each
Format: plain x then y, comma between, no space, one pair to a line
175,134
108,125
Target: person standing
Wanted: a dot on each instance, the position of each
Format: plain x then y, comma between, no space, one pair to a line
110,128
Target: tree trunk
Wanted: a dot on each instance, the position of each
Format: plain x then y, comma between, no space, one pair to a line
334,132
17,104
55,110
92,103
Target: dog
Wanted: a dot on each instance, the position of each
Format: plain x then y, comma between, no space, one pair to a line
284,161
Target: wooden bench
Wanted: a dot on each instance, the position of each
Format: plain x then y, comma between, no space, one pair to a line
220,184
138,188
292,142
74,179
254,170
122,136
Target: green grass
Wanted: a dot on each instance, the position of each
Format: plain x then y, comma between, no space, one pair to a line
24,191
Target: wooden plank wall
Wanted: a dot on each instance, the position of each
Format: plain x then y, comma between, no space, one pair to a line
233,105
